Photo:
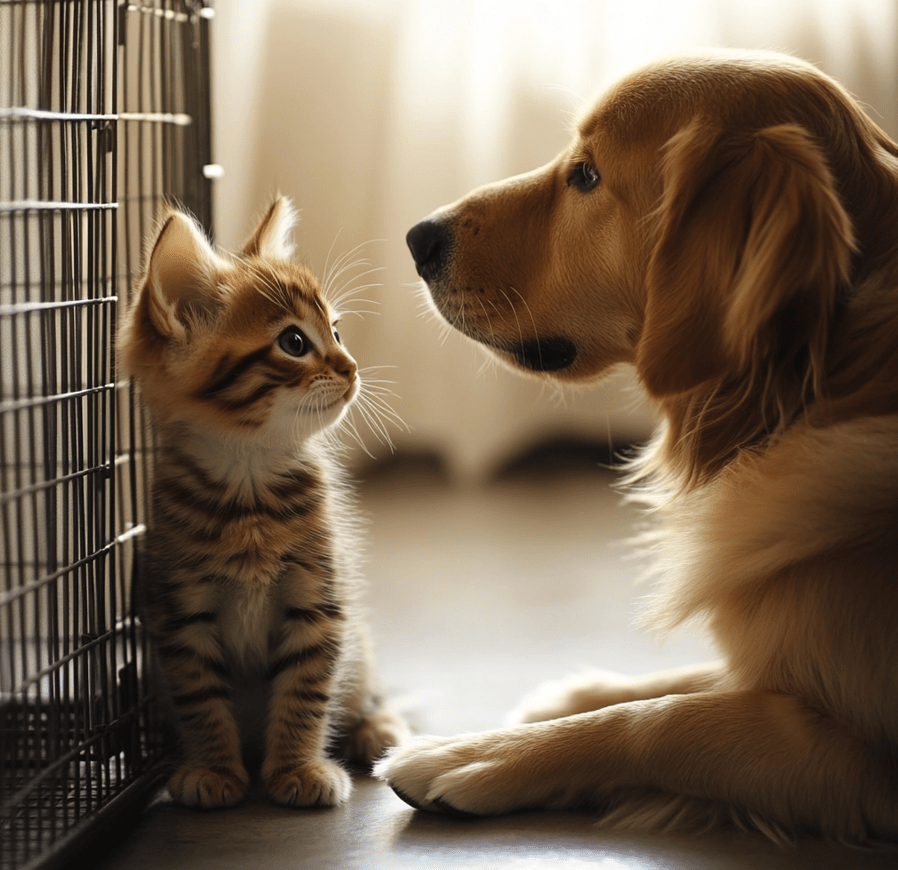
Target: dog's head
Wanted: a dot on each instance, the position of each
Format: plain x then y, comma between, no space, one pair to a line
702,224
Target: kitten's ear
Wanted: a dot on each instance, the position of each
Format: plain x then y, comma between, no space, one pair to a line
273,237
180,281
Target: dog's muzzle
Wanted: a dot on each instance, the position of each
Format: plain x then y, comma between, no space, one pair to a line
431,243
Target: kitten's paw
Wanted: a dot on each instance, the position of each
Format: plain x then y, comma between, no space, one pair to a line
373,736
196,786
312,784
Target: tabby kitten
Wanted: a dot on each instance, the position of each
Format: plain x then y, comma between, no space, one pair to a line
249,569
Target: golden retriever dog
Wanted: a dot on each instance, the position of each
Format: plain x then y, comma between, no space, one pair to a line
728,224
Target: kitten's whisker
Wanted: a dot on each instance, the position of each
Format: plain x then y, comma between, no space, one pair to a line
327,260
348,290
352,293
380,389
341,261
342,265
359,312
353,299
362,312
348,425
366,372
377,405
371,421
379,432
360,275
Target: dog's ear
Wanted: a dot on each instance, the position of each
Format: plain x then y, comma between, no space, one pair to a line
753,245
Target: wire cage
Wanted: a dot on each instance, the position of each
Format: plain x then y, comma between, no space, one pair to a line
104,111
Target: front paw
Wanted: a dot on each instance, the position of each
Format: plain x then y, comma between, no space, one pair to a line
454,775
373,736
197,786
311,784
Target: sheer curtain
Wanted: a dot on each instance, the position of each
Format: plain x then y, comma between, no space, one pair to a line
372,113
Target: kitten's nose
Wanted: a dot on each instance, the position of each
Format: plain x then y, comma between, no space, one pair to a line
430,243
343,365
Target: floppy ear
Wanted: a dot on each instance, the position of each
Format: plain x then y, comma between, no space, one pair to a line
180,283
753,246
273,237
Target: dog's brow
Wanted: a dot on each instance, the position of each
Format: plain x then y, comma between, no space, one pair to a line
588,127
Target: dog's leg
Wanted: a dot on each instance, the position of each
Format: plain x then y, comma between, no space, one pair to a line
766,758
581,693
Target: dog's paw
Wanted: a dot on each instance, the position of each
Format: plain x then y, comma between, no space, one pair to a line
579,693
471,775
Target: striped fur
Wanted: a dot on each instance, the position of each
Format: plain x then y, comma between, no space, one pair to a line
250,569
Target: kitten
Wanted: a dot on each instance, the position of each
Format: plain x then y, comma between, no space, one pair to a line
249,572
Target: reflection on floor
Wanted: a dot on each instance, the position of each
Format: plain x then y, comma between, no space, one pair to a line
476,595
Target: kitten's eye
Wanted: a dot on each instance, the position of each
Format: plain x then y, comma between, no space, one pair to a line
291,341
336,335
584,176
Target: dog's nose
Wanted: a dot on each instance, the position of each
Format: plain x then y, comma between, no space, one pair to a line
429,241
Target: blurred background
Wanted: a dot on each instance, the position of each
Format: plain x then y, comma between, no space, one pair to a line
372,113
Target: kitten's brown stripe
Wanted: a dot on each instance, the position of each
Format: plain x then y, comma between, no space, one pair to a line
235,371
300,657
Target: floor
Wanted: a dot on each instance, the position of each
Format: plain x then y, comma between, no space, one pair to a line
476,595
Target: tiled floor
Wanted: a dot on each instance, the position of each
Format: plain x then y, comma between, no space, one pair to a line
477,595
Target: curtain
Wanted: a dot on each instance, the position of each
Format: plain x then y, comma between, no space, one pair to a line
372,113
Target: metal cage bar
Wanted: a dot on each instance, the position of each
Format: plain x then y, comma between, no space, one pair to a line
104,111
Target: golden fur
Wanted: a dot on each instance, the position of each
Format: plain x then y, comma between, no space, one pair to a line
729,225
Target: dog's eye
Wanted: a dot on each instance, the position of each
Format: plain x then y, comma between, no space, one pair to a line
584,176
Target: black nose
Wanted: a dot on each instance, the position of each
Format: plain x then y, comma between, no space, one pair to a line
430,242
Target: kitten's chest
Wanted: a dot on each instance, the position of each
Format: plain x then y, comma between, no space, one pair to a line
251,549
247,617
241,528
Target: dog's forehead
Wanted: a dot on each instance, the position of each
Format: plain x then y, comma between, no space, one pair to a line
675,87
622,111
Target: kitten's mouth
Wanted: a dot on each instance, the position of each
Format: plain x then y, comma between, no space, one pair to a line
331,405
344,398
351,391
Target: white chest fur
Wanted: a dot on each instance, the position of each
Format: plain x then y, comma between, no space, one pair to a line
245,622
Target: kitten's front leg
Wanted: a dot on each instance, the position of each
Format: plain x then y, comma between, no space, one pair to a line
212,775
296,771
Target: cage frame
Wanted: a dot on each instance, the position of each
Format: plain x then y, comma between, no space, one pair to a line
104,115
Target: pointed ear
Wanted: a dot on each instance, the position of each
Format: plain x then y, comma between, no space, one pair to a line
753,246
180,282
273,237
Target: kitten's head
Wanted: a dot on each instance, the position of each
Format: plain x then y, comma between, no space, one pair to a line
245,344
